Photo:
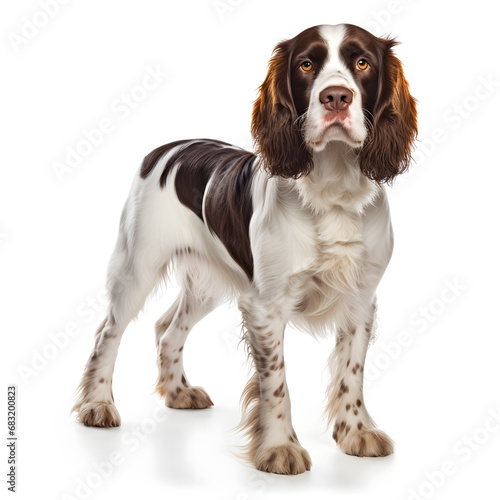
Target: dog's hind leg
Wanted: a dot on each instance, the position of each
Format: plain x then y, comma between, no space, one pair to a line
131,277
172,330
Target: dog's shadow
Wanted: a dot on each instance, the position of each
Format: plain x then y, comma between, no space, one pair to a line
184,445
349,474
184,450
179,442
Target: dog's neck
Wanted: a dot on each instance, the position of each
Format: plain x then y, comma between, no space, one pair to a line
336,181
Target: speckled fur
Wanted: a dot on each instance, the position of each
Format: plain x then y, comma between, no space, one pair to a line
299,233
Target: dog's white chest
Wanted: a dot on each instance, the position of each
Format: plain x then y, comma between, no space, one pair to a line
334,278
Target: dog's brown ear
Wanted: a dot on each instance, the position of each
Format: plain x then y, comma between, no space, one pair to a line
387,150
277,137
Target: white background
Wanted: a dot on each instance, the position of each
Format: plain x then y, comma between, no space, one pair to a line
434,368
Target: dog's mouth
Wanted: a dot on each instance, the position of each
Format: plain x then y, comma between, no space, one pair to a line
336,130
338,124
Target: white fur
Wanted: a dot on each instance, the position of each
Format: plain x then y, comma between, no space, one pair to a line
334,73
320,246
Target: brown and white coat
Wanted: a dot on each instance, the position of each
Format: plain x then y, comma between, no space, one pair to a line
299,232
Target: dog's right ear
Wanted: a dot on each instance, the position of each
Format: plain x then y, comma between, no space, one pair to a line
277,138
388,149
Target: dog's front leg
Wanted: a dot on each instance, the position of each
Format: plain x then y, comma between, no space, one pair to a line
273,445
354,431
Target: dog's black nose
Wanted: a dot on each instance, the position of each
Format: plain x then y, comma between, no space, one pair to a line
336,98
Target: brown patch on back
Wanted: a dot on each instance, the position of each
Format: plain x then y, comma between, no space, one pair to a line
152,158
228,203
228,208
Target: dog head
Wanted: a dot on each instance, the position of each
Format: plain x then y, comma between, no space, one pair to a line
335,83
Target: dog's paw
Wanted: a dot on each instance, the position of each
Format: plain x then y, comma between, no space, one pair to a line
364,442
188,397
286,459
98,415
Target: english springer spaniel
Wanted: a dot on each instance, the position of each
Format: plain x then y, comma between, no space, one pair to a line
299,232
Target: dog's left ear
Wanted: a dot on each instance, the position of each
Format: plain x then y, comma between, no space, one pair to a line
277,137
387,149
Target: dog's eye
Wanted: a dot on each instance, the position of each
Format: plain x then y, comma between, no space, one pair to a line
306,66
362,64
